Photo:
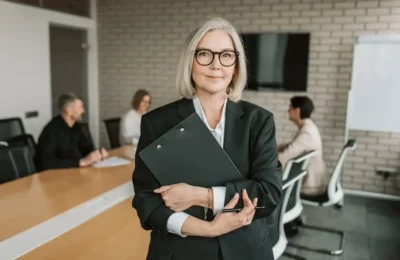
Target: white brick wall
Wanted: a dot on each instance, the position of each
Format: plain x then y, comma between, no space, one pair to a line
140,42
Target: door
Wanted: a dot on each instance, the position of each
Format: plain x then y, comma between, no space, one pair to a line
68,59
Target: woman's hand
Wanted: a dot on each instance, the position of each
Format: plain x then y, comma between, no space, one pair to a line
226,222
177,197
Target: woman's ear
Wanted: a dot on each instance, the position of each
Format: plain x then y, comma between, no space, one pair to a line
298,112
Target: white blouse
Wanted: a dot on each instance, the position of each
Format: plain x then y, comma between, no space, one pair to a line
129,131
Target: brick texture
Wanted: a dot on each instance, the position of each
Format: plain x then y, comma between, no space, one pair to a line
139,43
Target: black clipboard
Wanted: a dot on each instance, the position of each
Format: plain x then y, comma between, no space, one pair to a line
189,153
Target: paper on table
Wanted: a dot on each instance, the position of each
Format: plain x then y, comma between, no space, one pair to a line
111,161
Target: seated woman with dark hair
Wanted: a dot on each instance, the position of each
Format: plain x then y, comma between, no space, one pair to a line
130,122
306,139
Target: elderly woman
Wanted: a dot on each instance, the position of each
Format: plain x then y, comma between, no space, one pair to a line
211,77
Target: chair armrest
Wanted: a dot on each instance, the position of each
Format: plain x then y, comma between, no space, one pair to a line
304,156
292,179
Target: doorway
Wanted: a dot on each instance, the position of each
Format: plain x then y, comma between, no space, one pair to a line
68,63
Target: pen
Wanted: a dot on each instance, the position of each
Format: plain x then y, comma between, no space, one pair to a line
239,209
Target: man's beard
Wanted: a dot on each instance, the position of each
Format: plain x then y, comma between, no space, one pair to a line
76,119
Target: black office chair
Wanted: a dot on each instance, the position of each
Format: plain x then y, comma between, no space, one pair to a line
10,127
112,127
23,140
8,167
16,162
333,196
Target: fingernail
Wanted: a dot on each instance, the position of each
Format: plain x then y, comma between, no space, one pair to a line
236,195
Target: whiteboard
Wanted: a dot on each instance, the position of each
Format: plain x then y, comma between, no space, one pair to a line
374,98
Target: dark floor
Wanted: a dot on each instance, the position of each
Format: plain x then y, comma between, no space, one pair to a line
372,230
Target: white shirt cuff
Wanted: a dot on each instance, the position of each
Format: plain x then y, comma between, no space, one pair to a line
175,223
219,199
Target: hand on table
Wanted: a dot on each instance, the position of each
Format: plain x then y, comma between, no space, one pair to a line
91,158
104,153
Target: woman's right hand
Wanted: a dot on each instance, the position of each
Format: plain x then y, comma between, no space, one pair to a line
226,222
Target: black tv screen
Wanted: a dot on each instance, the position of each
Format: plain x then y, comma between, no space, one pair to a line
277,60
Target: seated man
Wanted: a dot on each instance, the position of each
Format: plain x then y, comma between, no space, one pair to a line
307,138
63,142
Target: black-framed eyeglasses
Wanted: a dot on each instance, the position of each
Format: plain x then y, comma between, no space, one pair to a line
206,57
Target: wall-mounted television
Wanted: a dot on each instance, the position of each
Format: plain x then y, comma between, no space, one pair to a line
277,61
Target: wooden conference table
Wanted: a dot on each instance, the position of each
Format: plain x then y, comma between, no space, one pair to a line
114,234
31,200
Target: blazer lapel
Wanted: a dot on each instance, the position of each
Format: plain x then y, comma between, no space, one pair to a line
234,129
186,108
234,132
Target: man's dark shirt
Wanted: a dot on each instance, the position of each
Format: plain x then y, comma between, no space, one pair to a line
61,146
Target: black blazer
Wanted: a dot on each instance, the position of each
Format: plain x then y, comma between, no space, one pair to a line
250,142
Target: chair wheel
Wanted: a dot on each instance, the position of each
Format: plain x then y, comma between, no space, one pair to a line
338,206
301,220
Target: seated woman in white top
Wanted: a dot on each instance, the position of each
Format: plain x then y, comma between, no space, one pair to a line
306,139
130,122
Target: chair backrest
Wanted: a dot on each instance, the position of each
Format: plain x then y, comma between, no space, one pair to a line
16,162
112,127
86,132
10,127
23,140
293,167
298,163
8,167
274,229
334,185
277,231
24,160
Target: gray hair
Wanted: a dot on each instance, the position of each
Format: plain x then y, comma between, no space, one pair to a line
65,99
184,81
